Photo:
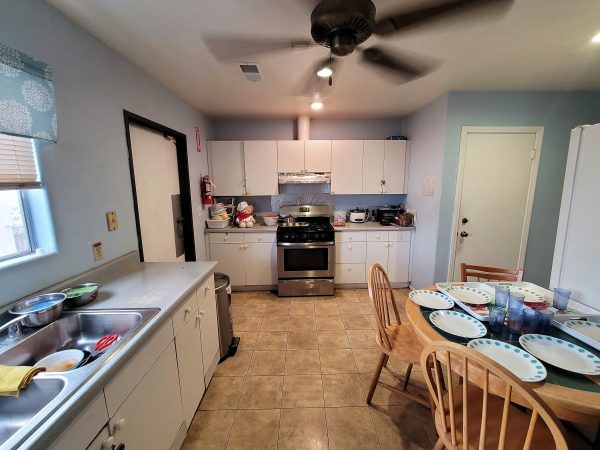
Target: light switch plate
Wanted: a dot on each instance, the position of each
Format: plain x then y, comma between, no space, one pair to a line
111,220
97,249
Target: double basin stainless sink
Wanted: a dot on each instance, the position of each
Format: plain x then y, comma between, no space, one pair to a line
49,390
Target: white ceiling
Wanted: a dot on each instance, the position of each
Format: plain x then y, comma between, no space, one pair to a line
539,45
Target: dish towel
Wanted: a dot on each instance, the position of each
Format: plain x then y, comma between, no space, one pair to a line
15,378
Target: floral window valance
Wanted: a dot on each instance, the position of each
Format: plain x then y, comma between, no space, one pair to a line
27,103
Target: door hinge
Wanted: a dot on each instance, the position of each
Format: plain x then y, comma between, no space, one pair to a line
533,153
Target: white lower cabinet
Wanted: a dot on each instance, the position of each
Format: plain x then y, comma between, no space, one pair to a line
209,328
83,429
188,345
356,252
349,273
260,262
152,415
230,260
250,259
377,252
399,261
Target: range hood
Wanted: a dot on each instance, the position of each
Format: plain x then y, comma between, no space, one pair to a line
305,178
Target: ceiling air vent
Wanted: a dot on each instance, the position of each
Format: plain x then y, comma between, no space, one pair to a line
251,71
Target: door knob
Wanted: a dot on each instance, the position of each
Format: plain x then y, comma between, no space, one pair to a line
463,234
464,220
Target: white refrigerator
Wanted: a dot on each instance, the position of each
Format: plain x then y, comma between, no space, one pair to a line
576,264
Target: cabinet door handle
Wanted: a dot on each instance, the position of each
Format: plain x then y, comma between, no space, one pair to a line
201,313
260,238
391,244
349,237
349,269
378,236
226,237
186,311
349,247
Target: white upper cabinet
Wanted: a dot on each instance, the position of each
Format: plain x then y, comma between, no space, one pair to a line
372,177
260,162
227,167
394,167
290,156
346,167
317,156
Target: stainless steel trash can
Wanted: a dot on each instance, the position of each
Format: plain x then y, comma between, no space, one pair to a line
227,342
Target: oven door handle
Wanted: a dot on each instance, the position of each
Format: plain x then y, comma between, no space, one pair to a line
305,244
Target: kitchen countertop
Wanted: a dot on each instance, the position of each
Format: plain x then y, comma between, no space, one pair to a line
126,283
367,226
371,226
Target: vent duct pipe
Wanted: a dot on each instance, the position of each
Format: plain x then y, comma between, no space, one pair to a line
303,128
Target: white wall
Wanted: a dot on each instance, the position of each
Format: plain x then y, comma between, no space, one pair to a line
425,130
86,173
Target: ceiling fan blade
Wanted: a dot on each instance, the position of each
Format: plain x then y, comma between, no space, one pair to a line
403,67
423,15
313,85
231,48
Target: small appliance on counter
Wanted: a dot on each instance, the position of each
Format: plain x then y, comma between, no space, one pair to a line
386,215
358,215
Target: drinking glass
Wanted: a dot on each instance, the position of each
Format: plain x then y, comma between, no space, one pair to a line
497,316
516,301
561,298
502,294
515,321
530,321
546,317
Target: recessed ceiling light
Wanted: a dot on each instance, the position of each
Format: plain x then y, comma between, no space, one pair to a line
596,39
317,105
325,72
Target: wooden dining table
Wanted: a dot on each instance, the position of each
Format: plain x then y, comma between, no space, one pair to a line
579,406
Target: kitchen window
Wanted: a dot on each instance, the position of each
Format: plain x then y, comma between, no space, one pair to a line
20,195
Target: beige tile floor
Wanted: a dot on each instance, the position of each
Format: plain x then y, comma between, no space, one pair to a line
300,377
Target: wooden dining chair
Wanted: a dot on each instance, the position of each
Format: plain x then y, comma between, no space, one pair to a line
489,273
394,338
469,416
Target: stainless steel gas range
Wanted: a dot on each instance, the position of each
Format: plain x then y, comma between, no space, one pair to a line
305,251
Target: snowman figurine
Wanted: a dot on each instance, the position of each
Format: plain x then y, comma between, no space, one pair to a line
244,217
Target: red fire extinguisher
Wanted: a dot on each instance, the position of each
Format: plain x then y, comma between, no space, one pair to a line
206,190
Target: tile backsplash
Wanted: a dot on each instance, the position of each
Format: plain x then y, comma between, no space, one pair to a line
318,194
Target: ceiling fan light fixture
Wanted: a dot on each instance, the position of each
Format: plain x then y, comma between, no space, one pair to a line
325,72
596,38
317,105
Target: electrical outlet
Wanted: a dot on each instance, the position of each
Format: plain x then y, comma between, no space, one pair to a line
97,249
111,220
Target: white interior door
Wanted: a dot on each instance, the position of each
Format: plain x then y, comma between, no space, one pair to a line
157,193
495,187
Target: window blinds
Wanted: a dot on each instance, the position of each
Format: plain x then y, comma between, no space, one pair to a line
18,166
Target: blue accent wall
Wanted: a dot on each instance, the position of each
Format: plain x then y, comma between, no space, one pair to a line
558,113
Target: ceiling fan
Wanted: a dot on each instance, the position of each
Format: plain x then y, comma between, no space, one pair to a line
343,25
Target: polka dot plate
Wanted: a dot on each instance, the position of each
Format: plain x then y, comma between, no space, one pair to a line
458,324
560,353
519,362
588,329
431,299
469,295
